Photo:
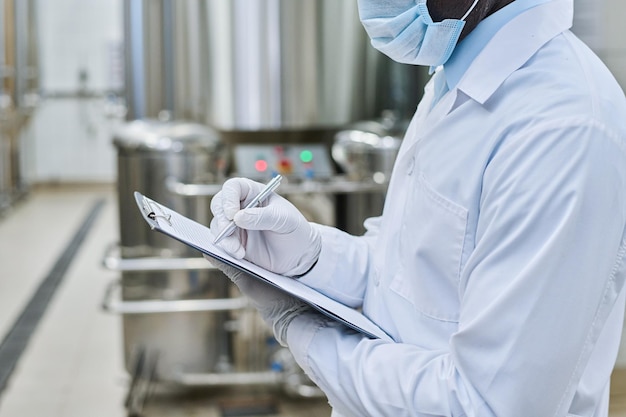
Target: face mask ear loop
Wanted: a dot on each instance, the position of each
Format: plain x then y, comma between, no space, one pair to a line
470,10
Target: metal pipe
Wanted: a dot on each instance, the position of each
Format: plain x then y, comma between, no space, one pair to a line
113,261
292,383
337,185
3,70
155,264
134,54
22,70
168,55
161,306
230,378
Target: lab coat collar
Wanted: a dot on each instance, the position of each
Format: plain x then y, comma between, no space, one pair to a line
513,46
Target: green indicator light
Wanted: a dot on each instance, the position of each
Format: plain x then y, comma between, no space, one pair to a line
306,156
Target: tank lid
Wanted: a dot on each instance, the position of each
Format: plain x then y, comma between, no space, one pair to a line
165,136
377,135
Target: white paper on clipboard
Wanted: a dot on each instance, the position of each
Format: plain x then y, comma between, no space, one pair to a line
200,237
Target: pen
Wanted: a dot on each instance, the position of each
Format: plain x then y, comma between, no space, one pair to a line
271,186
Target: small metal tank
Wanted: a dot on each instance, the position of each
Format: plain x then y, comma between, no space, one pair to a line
366,151
150,151
179,341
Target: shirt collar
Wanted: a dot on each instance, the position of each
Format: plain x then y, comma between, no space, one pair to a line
523,27
470,47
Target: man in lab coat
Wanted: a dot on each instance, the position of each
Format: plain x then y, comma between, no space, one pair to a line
497,266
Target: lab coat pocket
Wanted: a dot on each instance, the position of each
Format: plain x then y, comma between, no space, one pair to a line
431,247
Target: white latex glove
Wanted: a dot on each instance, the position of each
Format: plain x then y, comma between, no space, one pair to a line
274,235
276,307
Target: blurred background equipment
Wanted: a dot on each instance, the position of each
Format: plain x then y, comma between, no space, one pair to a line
170,98
19,92
274,83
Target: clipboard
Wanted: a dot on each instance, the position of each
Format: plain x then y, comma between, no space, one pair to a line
200,237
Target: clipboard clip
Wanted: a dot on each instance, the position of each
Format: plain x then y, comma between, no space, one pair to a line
152,213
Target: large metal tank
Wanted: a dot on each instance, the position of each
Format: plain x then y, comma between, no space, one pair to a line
257,66
285,64
179,340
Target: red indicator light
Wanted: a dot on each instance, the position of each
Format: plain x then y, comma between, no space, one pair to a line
260,165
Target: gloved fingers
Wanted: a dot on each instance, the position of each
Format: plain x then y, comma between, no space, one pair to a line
236,193
217,264
277,308
278,215
232,244
275,235
253,288
230,271
281,324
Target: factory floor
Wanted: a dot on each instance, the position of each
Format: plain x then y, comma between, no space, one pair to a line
72,364
69,363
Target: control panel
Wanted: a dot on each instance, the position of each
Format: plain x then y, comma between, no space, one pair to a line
298,161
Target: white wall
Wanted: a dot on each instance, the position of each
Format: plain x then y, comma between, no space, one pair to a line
69,139
77,35
71,142
614,52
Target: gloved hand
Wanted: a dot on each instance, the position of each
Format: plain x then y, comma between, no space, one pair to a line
277,308
274,235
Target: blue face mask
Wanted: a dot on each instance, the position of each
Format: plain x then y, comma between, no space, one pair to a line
404,31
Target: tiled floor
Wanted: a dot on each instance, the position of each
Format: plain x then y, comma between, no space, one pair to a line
73,365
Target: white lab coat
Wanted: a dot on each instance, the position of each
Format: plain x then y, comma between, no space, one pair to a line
497,265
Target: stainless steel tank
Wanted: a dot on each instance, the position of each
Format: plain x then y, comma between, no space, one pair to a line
149,151
267,65
147,38
285,64
180,340
366,151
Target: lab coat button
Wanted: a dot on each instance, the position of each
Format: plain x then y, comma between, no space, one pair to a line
376,279
411,166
